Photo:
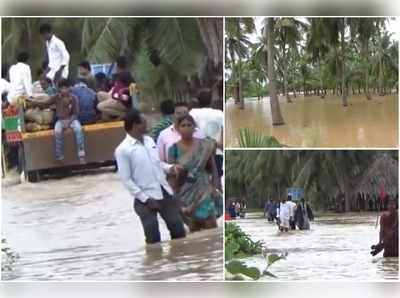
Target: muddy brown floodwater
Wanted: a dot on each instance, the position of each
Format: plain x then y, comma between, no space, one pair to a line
316,122
84,228
336,248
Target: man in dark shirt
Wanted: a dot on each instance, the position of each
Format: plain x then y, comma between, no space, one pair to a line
67,111
167,108
87,102
389,233
85,72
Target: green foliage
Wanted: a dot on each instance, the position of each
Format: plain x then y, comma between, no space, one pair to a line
309,57
253,139
8,257
326,175
236,267
239,245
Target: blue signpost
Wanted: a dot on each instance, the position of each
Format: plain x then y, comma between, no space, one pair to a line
296,193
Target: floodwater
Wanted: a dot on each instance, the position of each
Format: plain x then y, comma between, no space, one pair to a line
336,248
316,122
84,228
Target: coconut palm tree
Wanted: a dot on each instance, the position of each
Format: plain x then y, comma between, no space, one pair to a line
343,58
317,44
324,175
382,59
366,28
237,45
269,30
288,32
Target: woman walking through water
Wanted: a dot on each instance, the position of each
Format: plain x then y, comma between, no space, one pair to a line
197,186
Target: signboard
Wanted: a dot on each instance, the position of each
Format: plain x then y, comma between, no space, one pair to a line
12,125
296,193
108,69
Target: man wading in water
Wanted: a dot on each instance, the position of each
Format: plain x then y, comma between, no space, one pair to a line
144,175
389,232
284,215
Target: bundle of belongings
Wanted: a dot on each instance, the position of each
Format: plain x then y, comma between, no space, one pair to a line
37,119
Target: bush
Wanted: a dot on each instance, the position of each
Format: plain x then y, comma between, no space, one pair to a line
239,245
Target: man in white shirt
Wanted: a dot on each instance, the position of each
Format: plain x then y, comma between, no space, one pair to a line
57,55
211,123
170,135
283,214
293,206
20,79
144,176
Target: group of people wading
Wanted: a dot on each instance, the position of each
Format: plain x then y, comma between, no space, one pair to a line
288,214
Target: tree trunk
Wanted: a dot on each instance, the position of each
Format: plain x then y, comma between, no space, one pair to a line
276,114
237,95
365,53
321,83
381,92
211,31
285,81
344,93
241,99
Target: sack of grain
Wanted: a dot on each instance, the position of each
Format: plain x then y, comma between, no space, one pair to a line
47,116
34,115
32,127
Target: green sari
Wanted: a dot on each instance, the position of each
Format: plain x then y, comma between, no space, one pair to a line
196,192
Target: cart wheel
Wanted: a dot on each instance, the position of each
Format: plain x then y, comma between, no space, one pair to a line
33,176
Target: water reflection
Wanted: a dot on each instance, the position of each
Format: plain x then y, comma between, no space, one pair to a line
336,248
84,228
315,122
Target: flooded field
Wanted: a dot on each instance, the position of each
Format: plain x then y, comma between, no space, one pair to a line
316,122
336,248
84,228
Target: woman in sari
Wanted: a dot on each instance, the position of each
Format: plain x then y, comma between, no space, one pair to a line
197,186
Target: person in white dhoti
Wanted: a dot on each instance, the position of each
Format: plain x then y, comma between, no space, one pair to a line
57,55
293,206
283,214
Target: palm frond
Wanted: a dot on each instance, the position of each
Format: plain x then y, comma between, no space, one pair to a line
252,139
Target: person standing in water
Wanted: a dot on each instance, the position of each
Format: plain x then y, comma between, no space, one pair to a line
144,176
303,215
197,186
292,205
389,232
283,214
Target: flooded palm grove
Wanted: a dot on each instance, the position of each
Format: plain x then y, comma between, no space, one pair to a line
315,122
84,228
336,248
